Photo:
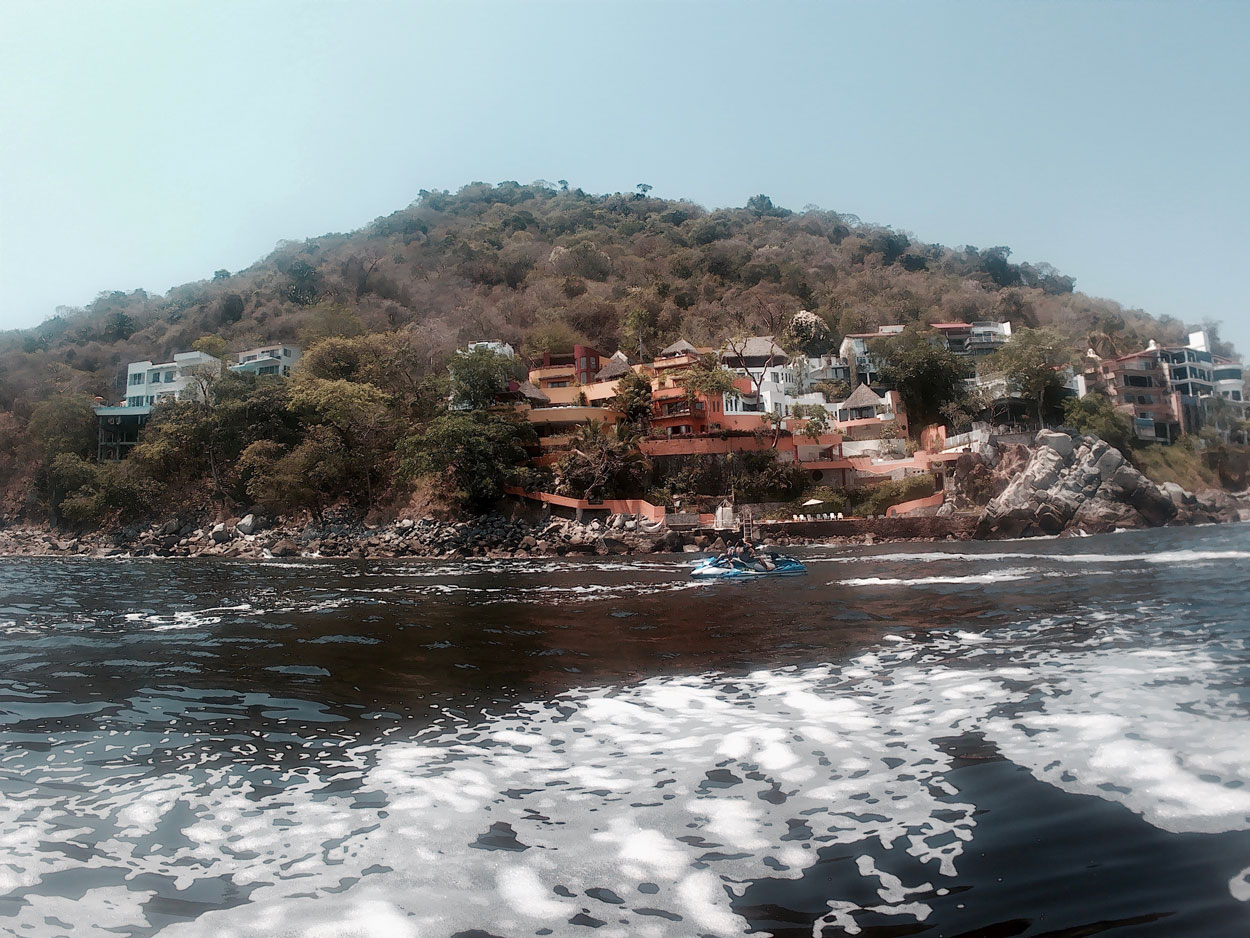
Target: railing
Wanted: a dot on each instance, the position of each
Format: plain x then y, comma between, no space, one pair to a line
616,506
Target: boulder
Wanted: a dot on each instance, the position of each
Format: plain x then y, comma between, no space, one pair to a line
247,524
284,548
220,533
1061,443
614,545
1075,483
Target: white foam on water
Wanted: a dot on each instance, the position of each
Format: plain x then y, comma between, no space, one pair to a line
1158,557
998,576
556,814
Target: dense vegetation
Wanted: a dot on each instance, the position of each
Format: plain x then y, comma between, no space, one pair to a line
539,265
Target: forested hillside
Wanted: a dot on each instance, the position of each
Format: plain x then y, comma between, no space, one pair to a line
539,265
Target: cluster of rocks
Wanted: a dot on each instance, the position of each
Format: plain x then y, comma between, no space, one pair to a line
342,536
1074,483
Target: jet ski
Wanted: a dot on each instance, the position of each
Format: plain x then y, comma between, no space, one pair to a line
732,568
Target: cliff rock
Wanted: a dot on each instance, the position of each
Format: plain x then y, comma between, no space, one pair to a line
1076,483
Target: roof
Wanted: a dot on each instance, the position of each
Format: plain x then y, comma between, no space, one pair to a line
617,366
532,393
952,325
862,396
760,346
680,347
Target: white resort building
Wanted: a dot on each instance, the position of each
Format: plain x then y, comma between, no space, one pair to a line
275,359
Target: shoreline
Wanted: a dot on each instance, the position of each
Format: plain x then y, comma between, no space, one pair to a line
489,538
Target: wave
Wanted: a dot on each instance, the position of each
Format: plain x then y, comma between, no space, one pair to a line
1159,557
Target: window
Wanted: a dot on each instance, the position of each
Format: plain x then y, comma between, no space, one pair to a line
169,376
156,377
286,353
137,378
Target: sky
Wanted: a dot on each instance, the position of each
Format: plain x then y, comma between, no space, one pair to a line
148,144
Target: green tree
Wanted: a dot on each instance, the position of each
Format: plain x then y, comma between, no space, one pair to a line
817,421
309,475
475,454
213,345
602,463
63,424
1033,362
633,399
477,377
706,378
926,374
119,327
326,321
1095,414
359,414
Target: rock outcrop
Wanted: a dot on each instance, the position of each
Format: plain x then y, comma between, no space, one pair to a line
1081,483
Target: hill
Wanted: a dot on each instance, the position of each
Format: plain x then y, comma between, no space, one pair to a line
542,266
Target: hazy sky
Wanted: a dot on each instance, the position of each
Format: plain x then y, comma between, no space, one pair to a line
148,144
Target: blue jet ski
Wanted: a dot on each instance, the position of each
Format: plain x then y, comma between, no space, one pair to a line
732,568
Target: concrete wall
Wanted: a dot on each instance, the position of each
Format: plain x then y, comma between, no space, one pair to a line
919,527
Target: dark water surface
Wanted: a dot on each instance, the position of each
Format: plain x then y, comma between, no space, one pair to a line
1044,738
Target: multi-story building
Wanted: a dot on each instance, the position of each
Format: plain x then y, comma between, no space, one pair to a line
854,351
1229,379
184,378
562,370
277,359
1138,385
498,346
973,338
147,383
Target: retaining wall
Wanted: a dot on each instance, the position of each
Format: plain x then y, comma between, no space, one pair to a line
960,526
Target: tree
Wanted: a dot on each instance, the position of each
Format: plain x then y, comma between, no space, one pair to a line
808,333
927,375
63,424
213,345
638,329
602,463
229,308
816,422
475,454
119,327
303,283
1032,363
477,377
360,415
1095,414
707,379
633,399
309,475
327,321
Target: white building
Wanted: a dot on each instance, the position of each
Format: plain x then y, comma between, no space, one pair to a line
492,345
275,359
181,379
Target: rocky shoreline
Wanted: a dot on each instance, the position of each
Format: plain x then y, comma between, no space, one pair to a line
1063,484
1073,484
493,537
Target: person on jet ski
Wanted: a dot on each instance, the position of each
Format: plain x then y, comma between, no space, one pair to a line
749,556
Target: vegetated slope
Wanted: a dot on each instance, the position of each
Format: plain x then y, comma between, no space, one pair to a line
541,266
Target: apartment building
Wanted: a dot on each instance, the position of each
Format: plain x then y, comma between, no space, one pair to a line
276,360
184,378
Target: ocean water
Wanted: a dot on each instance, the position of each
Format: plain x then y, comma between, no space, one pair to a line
1042,737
